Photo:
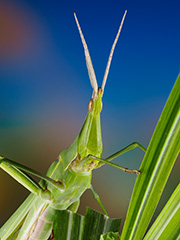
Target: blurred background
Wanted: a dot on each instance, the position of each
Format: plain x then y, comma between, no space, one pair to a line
44,87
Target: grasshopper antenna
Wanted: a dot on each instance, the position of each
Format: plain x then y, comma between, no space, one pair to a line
111,53
89,64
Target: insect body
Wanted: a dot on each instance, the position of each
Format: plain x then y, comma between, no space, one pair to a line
69,176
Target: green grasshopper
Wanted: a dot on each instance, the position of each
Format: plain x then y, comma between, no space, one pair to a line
69,176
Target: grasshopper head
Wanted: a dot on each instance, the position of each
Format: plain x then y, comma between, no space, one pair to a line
90,139
95,104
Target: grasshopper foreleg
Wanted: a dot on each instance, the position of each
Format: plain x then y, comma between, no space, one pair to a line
126,149
113,156
120,152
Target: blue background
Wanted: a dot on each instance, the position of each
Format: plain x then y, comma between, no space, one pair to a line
44,86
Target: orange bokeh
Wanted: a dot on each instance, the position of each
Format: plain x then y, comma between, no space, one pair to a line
16,30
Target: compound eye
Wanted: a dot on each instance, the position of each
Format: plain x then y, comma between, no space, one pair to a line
90,105
101,106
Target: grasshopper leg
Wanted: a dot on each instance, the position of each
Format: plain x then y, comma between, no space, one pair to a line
96,196
74,206
14,170
122,151
115,155
126,149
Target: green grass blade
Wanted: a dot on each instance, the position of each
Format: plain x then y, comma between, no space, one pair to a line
96,224
67,225
167,225
156,167
72,226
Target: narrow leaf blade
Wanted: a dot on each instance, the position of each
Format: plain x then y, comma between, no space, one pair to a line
67,225
167,224
156,167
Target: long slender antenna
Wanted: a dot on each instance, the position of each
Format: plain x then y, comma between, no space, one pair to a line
111,52
89,64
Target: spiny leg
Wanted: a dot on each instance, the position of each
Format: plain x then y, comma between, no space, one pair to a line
115,155
14,170
96,196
